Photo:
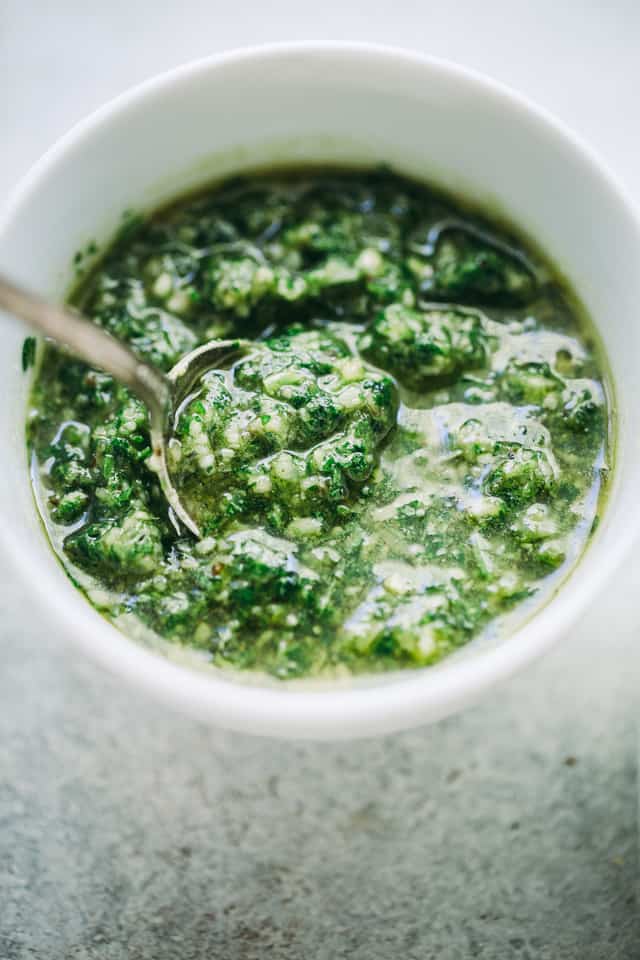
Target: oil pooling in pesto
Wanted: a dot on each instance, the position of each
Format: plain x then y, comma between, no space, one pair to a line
414,444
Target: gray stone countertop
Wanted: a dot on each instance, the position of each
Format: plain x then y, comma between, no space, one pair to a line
509,831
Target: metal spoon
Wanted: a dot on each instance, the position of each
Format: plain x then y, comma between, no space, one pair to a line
161,393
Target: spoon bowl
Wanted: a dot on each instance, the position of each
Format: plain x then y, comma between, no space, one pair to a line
181,379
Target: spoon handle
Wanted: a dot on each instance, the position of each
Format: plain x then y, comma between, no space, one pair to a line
90,343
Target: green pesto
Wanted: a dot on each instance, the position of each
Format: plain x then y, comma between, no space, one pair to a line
415,443
28,353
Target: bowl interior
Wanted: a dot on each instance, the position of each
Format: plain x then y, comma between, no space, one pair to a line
352,106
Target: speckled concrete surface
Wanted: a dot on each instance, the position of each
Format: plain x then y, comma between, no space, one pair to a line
129,832
507,832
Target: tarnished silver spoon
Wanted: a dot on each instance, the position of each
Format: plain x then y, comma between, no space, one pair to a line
161,393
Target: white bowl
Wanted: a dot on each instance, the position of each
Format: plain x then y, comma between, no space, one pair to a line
318,103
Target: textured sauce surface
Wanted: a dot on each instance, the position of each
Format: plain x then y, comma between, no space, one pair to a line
415,444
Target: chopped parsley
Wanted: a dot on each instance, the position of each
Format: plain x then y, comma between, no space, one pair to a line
414,447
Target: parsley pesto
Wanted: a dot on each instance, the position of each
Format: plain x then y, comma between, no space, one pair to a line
414,444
